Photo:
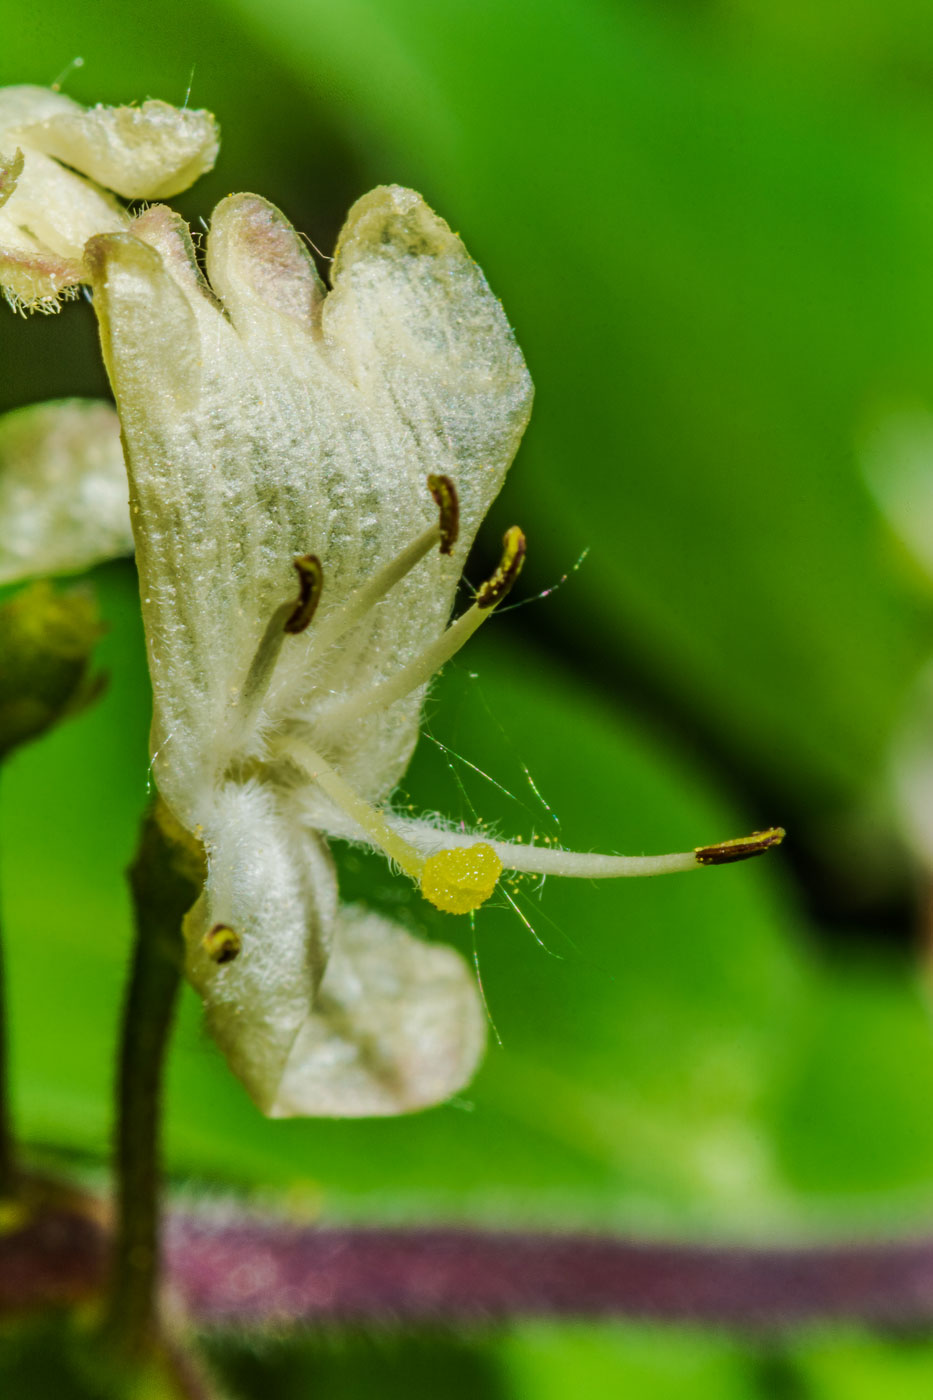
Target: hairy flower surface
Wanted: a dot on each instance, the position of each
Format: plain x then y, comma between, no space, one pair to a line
58,160
307,472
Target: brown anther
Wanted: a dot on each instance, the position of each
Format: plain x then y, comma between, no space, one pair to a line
221,943
310,583
510,566
742,848
445,498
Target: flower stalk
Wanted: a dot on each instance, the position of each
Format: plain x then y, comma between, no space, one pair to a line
165,879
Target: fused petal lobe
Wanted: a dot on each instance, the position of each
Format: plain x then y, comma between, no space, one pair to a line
259,266
397,1026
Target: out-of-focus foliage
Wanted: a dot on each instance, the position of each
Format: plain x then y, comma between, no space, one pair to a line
711,227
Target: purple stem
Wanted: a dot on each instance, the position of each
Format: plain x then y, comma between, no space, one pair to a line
256,1273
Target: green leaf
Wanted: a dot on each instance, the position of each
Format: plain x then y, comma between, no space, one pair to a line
852,1366
549,1361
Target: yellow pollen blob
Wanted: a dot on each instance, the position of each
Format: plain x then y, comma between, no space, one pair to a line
460,879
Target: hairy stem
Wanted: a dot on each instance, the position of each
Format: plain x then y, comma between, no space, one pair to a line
252,1274
256,1273
8,1172
165,879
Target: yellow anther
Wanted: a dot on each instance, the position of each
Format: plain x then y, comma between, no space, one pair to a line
461,878
510,566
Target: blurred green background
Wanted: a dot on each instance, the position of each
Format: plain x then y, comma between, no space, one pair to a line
711,225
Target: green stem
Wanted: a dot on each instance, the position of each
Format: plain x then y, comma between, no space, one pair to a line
8,1172
165,879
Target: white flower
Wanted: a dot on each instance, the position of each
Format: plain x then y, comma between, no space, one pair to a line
270,427
48,209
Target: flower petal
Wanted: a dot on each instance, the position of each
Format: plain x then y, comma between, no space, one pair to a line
23,104
275,888
50,210
261,270
148,152
186,539
63,489
32,279
397,1026
420,333
46,208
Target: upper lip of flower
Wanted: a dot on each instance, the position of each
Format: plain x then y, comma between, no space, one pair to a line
287,424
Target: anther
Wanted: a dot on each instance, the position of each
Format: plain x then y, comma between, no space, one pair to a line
221,943
510,566
445,498
310,583
742,848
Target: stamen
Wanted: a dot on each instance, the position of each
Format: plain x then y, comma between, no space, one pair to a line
510,566
434,656
741,848
356,607
221,943
310,583
445,498
288,620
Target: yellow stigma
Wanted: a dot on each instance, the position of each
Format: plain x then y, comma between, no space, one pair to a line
460,879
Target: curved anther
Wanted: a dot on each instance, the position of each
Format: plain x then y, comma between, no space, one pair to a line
310,584
491,593
448,505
